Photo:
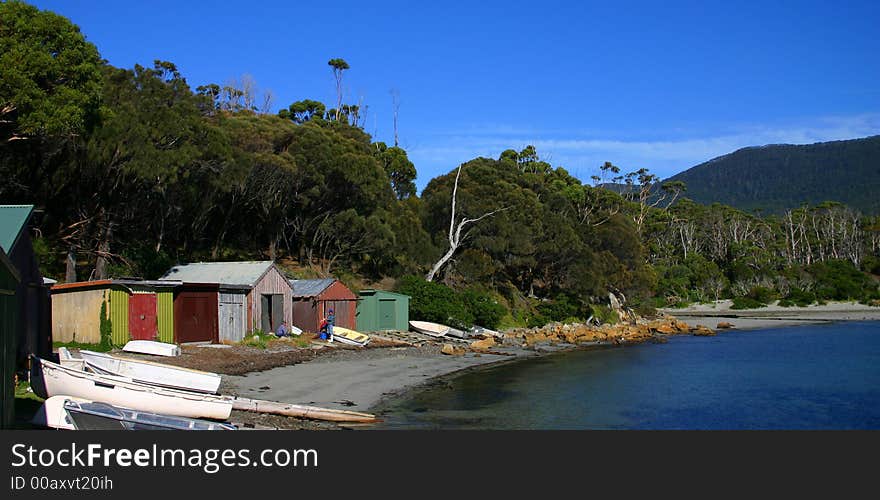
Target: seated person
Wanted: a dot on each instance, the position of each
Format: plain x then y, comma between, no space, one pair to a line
282,330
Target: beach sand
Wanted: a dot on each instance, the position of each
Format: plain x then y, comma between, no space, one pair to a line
358,379
773,315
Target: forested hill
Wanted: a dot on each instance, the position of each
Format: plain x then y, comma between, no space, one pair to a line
778,177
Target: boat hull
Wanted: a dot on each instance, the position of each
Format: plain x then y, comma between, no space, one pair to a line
351,337
152,347
153,373
50,379
428,328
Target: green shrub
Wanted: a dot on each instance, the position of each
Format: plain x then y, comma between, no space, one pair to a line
604,314
840,280
762,295
560,308
486,311
800,298
871,264
746,303
435,302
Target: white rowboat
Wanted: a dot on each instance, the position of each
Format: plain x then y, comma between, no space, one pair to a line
149,372
152,347
65,412
435,329
51,379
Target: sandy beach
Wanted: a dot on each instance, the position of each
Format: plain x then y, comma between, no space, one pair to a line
773,315
359,379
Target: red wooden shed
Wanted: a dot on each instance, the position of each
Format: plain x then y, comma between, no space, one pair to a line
313,299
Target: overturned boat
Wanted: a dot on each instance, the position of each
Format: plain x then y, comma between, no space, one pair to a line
152,347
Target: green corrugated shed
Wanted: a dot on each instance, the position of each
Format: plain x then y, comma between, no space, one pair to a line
12,219
119,316
8,339
381,310
165,315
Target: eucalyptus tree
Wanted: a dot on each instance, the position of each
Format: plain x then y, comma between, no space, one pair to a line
339,66
51,79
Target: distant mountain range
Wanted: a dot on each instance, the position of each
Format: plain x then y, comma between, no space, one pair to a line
777,177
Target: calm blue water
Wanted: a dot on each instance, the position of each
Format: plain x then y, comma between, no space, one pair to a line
810,377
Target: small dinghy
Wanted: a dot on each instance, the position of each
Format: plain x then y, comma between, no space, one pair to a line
152,347
65,412
436,329
479,330
351,337
149,372
51,379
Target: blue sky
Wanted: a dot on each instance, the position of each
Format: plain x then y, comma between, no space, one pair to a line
659,85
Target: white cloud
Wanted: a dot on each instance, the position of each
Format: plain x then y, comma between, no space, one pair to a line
582,152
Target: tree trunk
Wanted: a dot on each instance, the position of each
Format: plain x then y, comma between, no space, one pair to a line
70,273
103,254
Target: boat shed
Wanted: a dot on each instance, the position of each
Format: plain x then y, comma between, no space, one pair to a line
244,296
32,296
210,312
381,310
8,339
313,299
133,309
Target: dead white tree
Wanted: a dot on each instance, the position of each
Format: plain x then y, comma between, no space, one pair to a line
455,236
395,107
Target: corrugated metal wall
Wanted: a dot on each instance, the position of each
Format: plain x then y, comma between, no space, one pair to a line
119,316
8,348
304,315
367,312
272,283
165,315
381,310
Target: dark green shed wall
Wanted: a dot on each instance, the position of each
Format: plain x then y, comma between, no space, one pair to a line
380,310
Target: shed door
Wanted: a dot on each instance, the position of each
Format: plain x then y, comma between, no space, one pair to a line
232,317
196,321
142,322
272,313
387,320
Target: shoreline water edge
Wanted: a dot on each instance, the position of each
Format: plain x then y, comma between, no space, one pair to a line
367,380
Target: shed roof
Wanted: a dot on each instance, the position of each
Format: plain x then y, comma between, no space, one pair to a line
224,273
372,291
80,285
310,288
13,219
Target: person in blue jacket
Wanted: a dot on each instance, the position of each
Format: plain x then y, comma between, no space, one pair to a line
331,318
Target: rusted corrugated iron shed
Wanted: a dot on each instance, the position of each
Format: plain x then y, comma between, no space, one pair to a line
268,300
137,310
313,299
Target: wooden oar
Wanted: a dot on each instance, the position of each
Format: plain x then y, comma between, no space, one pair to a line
302,411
